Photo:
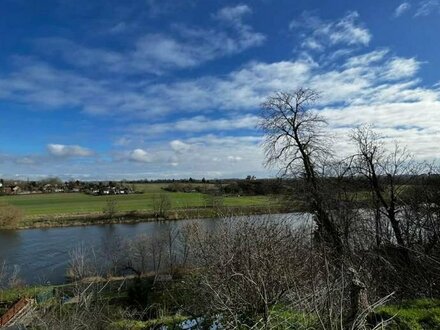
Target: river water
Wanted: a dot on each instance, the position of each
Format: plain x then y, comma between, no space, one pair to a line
42,255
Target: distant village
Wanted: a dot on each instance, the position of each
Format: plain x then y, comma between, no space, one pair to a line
9,187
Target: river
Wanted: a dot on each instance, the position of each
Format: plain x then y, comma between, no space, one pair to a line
42,255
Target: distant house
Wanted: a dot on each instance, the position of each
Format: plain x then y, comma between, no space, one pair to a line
47,188
12,190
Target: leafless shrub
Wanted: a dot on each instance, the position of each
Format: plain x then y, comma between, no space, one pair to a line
115,251
111,208
246,267
94,315
9,276
166,252
214,200
161,205
82,264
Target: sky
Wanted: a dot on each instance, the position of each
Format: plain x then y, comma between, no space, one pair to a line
149,89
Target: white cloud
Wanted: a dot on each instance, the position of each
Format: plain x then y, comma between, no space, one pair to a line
345,31
400,68
422,8
217,156
401,9
122,141
203,156
427,7
198,124
234,158
233,14
361,79
366,59
179,146
141,156
62,150
245,88
376,87
183,47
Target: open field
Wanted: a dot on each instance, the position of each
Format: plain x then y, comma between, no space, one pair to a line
40,205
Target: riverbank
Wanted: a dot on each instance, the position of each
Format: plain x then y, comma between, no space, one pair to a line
132,217
77,209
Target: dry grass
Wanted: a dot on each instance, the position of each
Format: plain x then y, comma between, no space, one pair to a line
10,216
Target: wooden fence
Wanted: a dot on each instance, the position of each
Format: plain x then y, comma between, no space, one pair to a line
14,310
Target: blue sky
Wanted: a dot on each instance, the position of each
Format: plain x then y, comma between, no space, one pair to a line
171,89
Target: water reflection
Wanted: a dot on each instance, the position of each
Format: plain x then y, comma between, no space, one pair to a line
43,254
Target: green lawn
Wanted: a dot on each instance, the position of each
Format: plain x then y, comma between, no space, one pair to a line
77,203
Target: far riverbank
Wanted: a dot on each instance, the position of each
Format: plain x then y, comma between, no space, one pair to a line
133,217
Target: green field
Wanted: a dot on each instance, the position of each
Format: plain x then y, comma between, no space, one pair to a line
39,205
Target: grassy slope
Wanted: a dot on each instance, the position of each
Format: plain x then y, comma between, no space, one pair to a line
77,203
417,314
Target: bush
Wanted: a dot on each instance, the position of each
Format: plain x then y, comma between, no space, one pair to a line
111,208
10,216
161,205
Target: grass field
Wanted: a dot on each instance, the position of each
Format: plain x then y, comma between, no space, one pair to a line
77,203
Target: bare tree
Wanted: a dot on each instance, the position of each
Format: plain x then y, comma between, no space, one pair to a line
111,208
139,254
114,250
383,169
161,205
81,264
215,200
164,252
295,139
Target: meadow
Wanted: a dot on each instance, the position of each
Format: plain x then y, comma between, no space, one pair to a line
40,205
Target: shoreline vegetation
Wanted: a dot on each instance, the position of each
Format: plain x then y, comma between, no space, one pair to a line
133,217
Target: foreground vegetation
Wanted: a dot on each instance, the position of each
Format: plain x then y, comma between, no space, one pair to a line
417,314
244,275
